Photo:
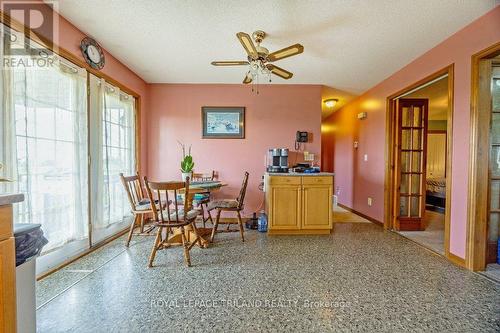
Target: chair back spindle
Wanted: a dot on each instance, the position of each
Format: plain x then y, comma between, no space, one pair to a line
133,188
243,190
159,190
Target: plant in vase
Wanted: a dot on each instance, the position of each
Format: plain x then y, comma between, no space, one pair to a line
187,163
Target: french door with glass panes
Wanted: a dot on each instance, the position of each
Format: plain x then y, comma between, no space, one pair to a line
494,170
411,163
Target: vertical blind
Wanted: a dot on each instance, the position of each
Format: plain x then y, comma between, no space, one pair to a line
47,139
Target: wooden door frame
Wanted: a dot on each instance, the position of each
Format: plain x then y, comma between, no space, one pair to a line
389,183
477,219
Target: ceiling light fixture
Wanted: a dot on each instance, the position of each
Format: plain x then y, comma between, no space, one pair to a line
259,59
331,102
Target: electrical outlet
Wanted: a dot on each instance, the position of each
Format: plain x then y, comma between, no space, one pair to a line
370,201
365,157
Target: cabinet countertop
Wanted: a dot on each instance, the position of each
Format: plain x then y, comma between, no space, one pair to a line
294,174
10,198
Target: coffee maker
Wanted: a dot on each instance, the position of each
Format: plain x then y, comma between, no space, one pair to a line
277,160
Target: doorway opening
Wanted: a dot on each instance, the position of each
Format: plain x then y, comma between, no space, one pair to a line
484,178
419,173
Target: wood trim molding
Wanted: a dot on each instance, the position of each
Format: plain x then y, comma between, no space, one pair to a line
456,260
371,219
16,25
389,203
477,218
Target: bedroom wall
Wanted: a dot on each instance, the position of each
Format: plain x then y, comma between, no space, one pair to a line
272,118
359,179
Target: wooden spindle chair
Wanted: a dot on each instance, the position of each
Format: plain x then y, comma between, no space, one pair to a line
204,197
230,205
172,218
139,205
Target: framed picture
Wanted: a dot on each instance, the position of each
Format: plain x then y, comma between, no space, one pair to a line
223,122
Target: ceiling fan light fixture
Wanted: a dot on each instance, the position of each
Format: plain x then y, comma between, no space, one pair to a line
331,102
259,59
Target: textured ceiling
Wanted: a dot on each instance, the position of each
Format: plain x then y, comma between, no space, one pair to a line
349,45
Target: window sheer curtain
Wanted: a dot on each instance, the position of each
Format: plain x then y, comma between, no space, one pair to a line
114,152
44,144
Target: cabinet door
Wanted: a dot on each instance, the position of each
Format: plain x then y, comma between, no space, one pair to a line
317,206
285,208
7,286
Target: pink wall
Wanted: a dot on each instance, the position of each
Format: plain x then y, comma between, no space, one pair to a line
272,118
359,179
69,38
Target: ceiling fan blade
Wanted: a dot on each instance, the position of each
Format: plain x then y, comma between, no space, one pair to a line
248,44
229,63
286,52
247,79
279,71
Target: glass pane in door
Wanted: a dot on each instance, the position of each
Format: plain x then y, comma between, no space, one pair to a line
405,139
495,195
417,116
495,128
496,94
495,161
415,206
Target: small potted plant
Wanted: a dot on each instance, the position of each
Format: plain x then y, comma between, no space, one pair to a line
187,163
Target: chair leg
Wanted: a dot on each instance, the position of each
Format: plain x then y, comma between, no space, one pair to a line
209,215
214,229
197,237
142,223
155,246
132,226
185,245
240,222
202,215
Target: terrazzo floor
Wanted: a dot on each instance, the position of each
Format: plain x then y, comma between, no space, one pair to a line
359,278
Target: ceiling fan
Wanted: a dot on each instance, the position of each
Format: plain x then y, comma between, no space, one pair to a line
259,58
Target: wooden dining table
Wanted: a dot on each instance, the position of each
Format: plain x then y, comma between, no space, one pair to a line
204,233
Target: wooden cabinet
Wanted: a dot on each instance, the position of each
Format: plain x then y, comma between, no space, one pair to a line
317,206
285,209
7,272
299,204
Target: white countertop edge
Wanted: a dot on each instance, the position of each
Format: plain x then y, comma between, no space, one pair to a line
10,198
330,174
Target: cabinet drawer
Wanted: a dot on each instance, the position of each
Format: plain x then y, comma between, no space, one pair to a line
319,180
284,180
5,222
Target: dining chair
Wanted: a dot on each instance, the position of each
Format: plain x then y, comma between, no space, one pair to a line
174,218
139,205
202,199
230,205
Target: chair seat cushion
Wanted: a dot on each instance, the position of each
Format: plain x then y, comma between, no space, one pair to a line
200,198
144,204
191,215
224,203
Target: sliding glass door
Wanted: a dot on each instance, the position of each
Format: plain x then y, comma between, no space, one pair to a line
44,151
113,152
65,136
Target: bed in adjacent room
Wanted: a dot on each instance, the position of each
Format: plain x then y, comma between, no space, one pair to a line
436,193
